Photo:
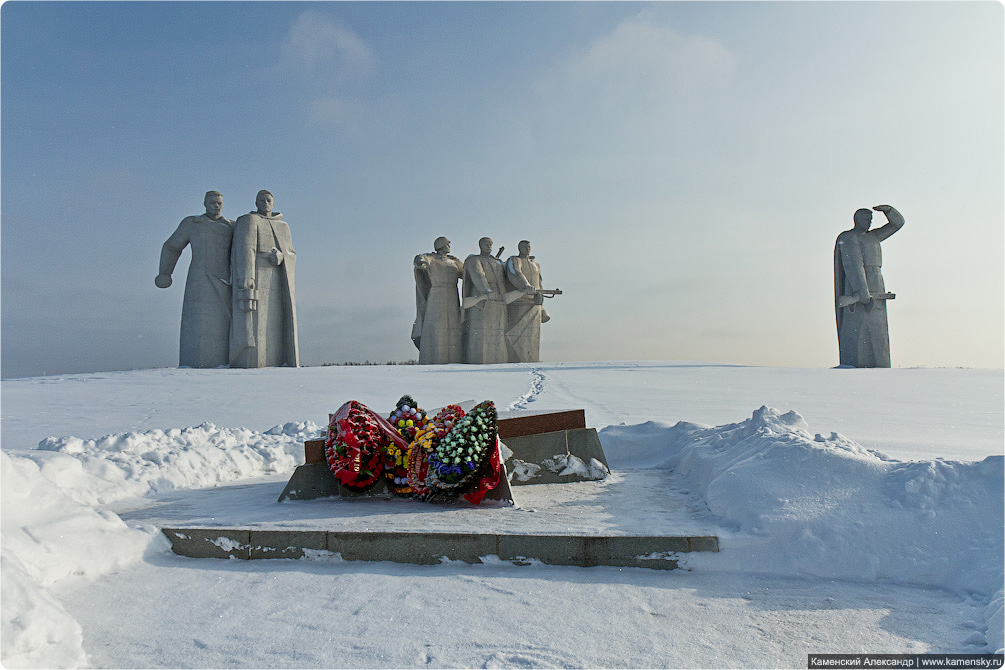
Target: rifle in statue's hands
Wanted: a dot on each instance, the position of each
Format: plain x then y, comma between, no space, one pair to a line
542,293
846,300
539,295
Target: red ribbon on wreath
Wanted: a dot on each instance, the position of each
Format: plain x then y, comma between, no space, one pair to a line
488,481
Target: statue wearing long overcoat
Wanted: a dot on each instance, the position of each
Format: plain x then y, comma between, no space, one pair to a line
265,336
205,313
863,330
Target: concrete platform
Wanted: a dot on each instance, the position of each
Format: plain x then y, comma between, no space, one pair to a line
571,511
657,552
631,518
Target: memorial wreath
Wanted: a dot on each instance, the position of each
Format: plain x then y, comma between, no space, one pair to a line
466,459
408,419
426,440
452,454
356,444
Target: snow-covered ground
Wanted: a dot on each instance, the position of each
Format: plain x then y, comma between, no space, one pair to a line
857,511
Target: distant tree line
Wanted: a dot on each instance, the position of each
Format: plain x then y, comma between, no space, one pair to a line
369,362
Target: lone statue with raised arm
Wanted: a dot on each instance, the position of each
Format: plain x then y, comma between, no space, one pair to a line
205,313
860,296
264,333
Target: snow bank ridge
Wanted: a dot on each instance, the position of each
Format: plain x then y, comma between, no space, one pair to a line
137,463
53,528
827,506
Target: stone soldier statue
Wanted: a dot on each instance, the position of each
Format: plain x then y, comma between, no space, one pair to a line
437,328
484,311
525,313
205,314
264,332
860,297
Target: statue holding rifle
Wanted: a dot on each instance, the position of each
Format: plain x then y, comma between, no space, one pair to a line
525,306
483,308
860,296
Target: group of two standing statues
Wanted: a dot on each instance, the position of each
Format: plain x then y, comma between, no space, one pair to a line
496,319
240,303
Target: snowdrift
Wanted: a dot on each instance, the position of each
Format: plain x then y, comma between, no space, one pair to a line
795,503
53,529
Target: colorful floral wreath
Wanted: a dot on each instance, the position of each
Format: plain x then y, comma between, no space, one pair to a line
426,439
461,456
356,443
407,419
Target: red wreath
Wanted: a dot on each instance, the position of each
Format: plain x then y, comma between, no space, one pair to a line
355,446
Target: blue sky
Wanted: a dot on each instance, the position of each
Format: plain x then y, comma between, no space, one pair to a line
681,168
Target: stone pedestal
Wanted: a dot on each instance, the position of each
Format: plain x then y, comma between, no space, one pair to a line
537,448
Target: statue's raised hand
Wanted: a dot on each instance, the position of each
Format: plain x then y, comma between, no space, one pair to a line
883,208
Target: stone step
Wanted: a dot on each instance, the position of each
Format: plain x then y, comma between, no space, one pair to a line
657,552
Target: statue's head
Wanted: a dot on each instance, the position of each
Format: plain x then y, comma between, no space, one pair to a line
441,245
485,245
213,203
264,202
863,219
524,247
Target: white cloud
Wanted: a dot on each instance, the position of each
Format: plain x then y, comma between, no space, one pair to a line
314,42
639,68
639,56
328,64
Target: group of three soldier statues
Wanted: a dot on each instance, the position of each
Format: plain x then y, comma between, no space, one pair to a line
240,305
496,319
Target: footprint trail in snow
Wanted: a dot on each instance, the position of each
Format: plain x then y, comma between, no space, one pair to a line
533,393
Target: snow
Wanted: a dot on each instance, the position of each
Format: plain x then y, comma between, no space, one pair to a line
857,511
839,510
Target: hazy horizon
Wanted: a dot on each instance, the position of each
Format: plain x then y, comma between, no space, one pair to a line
682,169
